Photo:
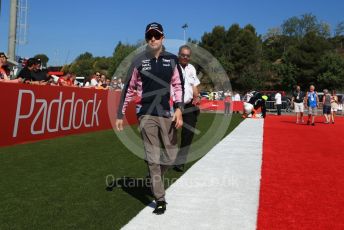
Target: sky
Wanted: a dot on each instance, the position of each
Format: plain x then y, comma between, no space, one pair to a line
63,29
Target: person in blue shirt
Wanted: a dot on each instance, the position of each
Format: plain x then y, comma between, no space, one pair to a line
312,103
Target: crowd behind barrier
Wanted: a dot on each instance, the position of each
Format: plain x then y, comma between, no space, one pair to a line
33,73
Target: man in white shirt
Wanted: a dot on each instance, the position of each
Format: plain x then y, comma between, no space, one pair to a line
236,97
191,99
278,99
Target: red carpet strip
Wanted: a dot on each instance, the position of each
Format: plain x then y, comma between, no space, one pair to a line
302,185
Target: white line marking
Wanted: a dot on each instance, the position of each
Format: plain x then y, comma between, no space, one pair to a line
221,191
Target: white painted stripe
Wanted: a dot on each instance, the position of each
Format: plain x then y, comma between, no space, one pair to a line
220,191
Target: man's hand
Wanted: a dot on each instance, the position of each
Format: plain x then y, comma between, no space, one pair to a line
119,124
178,118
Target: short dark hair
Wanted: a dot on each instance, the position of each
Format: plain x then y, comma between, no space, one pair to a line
184,47
31,61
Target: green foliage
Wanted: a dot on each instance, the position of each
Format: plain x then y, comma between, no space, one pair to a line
306,56
86,64
213,42
339,29
120,53
286,74
331,71
307,23
236,49
83,65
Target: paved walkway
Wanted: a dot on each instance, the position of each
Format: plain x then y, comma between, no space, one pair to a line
220,191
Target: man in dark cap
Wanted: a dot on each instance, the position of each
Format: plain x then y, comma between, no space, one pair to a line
39,75
25,75
153,76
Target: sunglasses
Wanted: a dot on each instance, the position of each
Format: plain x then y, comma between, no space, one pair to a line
184,55
154,34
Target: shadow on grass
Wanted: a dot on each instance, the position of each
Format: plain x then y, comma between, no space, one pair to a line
138,188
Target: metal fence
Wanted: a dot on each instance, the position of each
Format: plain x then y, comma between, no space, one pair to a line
286,107
271,107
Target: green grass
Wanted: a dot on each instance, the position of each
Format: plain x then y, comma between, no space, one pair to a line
60,183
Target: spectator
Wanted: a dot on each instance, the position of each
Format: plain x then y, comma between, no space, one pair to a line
326,106
4,70
312,101
114,83
102,81
120,83
38,75
236,97
227,102
334,105
278,99
95,79
62,81
87,82
71,80
25,75
235,100
107,83
297,102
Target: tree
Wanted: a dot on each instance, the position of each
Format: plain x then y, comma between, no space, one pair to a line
306,56
290,27
237,49
83,65
214,41
331,71
307,23
339,29
273,34
102,64
44,59
324,29
120,53
286,75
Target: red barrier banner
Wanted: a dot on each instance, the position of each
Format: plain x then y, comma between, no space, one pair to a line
31,113
217,105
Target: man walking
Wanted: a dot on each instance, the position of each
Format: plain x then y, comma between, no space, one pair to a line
191,100
312,101
154,74
327,106
278,99
297,101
